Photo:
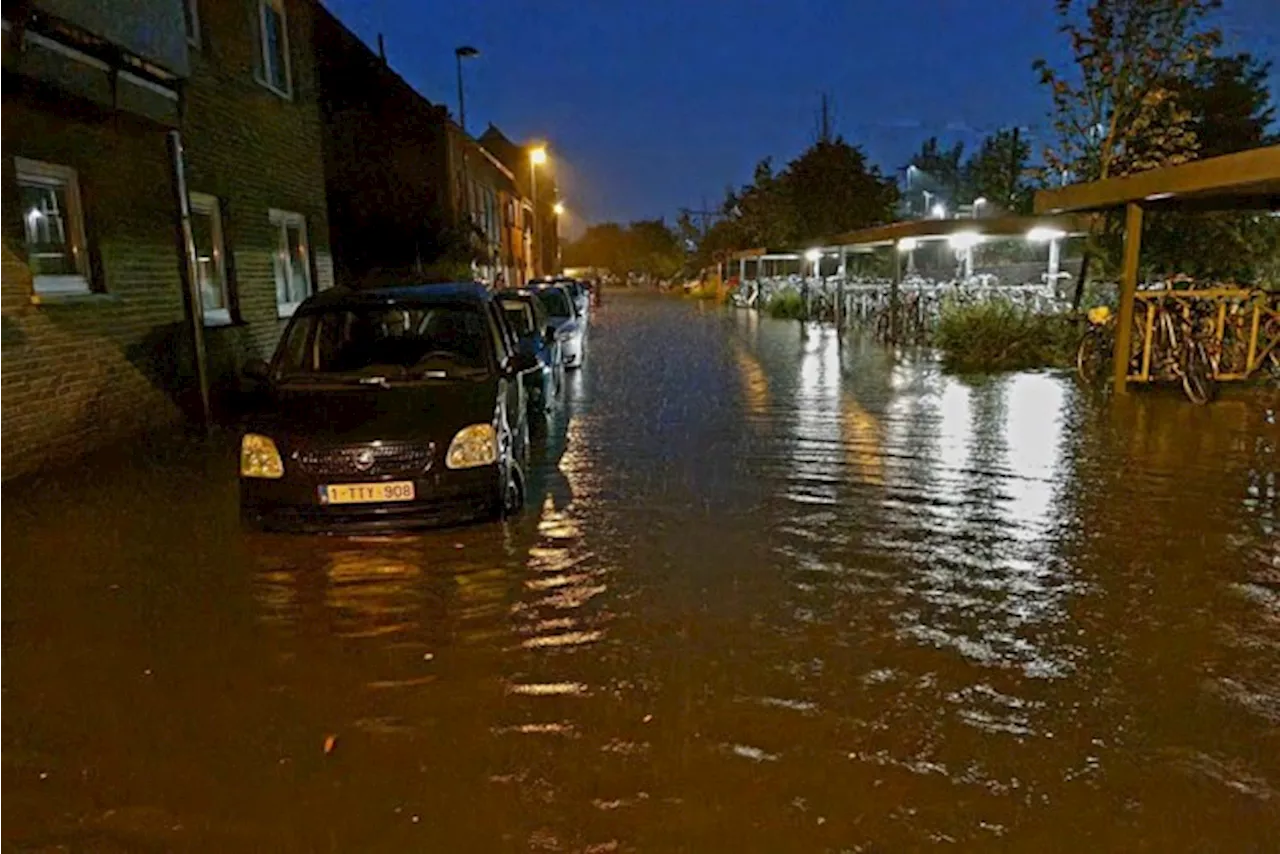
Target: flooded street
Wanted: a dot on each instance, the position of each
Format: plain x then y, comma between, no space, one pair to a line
770,593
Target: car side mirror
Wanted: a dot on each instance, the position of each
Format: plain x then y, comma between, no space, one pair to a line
550,334
256,370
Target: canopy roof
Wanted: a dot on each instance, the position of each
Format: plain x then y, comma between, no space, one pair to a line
1245,180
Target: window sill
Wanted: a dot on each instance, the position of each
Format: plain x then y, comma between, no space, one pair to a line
222,322
284,94
73,298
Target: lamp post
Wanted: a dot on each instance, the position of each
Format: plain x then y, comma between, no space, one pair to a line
537,157
460,53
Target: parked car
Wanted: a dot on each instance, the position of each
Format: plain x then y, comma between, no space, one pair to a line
570,329
388,408
576,290
536,335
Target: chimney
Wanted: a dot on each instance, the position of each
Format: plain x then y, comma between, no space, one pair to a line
382,50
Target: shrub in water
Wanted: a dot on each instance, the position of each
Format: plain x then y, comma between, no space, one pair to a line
788,305
996,335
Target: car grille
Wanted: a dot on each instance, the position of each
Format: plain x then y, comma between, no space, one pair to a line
388,458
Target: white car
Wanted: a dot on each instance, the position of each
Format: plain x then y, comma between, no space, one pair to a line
571,328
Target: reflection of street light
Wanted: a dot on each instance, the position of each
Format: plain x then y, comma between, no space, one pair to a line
462,52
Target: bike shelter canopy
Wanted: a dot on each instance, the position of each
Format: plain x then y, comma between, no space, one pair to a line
1247,180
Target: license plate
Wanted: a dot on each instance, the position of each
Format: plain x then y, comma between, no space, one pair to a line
366,493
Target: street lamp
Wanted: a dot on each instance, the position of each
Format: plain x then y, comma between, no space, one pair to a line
558,209
460,53
537,157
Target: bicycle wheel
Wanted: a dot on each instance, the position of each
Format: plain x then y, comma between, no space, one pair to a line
1091,358
1197,376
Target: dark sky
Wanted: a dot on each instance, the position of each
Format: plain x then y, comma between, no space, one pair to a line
656,104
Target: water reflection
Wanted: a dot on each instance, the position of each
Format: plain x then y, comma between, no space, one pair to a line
772,591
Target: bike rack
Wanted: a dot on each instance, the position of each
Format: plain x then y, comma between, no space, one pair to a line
1237,313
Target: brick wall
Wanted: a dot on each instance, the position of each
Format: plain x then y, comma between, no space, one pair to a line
87,370
255,150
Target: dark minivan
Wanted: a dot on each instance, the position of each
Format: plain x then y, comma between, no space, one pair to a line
388,408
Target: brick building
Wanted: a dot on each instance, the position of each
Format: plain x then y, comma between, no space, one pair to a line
403,180
541,225
93,345
98,338
255,172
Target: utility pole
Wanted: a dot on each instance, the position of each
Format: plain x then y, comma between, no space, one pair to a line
1013,168
460,53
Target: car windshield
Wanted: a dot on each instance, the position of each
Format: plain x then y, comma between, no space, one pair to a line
518,315
385,343
555,302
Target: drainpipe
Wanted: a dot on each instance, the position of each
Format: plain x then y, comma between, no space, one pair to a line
187,271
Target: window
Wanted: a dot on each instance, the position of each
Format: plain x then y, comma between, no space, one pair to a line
274,46
292,261
211,259
54,227
192,19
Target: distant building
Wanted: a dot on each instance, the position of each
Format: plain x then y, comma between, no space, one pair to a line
410,194
545,258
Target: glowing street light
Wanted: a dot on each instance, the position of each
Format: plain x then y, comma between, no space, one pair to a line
813,255
1043,234
908,244
537,157
939,211
558,209
964,240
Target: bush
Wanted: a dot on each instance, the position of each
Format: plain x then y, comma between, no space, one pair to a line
787,305
998,336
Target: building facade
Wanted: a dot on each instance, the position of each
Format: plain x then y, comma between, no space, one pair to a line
254,173
103,296
94,346
539,183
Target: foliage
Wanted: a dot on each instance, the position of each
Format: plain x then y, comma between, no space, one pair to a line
997,172
1118,112
943,168
1229,103
647,247
995,335
787,305
830,188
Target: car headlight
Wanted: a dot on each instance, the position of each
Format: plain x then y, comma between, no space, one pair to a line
259,457
476,445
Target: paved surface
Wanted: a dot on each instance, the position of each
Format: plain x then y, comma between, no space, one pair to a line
771,594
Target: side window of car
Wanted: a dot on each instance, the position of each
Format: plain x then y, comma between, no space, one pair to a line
498,331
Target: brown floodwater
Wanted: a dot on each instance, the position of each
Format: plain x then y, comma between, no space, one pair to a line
772,592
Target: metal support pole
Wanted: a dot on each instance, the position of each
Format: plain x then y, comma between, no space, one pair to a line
1128,289
840,277
742,270
537,237
893,295
462,104
187,271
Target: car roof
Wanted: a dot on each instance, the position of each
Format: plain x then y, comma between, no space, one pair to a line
444,292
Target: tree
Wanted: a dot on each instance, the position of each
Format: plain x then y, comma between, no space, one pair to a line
1117,112
649,247
1229,103
830,189
997,172
938,172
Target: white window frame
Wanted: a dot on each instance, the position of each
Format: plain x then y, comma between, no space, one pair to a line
263,50
282,220
53,174
207,205
192,11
